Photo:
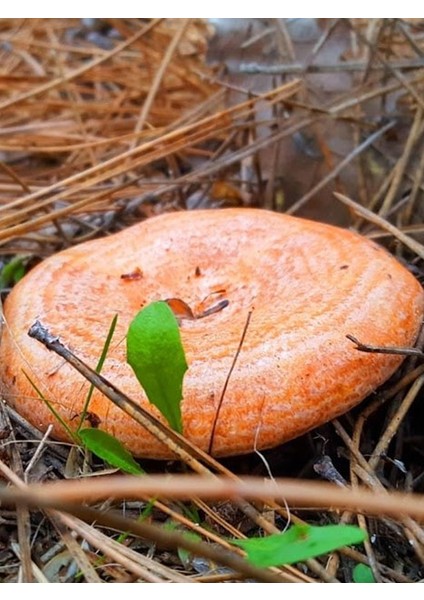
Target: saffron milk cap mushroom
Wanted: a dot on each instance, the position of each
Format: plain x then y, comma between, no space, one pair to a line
306,284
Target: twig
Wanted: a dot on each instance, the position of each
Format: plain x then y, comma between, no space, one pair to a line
348,66
407,35
309,494
385,349
355,99
395,422
37,453
154,149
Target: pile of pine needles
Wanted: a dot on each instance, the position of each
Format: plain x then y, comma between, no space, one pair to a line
106,122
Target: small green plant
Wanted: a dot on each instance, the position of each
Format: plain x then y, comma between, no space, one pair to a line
363,574
156,355
299,543
100,443
13,271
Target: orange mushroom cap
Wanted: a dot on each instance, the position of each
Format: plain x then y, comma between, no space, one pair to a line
307,284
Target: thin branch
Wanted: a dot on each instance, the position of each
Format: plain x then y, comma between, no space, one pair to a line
341,67
385,349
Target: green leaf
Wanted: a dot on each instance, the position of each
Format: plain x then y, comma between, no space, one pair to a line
13,271
363,574
109,449
299,543
156,355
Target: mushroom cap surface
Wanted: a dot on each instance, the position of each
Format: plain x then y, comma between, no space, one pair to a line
307,284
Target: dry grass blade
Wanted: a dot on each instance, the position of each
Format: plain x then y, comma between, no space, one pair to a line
23,517
21,216
380,222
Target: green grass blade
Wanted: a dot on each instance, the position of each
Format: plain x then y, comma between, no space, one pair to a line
51,408
98,369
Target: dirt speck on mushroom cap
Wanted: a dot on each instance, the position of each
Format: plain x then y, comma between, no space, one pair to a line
307,284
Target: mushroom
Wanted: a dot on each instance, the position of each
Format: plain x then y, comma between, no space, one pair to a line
306,284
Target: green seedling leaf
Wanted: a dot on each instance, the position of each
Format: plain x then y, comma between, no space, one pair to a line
13,271
156,355
109,449
183,554
98,369
363,574
299,543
